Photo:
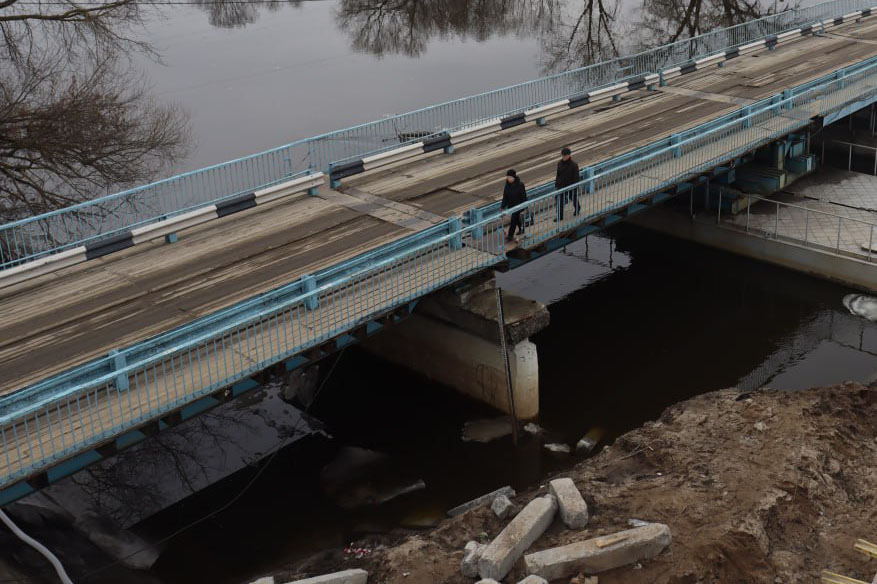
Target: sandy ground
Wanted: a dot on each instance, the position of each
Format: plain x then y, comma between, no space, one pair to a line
766,487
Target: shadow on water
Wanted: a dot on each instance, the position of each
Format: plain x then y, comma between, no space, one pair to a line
639,322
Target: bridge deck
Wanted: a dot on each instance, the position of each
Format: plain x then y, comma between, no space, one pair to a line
65,318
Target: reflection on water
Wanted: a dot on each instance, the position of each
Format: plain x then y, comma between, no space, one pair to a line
235,13
406,26
572,33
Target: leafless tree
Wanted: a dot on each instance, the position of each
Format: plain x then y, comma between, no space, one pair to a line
76,121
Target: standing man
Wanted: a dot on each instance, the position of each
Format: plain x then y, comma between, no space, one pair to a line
567,174
513,195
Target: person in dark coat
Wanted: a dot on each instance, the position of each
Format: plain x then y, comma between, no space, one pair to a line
567,174
513,195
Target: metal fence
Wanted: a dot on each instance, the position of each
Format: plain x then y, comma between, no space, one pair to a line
808,227
103,217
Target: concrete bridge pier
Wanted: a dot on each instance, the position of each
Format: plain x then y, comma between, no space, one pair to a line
453,338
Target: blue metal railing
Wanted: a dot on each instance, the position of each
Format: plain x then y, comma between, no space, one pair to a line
71,412
35,237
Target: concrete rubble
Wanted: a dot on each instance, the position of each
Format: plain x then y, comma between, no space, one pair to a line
502,507
502,553
531,579
600,553
482,500
573,509
469,564
487,581
345,577
265,580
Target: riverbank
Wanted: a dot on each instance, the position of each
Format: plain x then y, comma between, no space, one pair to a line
767,486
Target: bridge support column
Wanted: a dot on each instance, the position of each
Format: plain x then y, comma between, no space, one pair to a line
453,338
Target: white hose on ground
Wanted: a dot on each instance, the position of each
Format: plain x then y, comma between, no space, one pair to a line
65,579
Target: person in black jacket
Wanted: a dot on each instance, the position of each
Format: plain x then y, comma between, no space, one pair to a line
567,174
513,195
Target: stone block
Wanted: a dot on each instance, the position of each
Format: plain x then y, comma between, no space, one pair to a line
345,577
482,500
487,581
502,553
573,509
501,507
600,553
469,564
533,579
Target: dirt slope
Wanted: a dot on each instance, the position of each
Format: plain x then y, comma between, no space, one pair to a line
768,487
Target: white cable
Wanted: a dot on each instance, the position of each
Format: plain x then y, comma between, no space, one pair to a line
65,579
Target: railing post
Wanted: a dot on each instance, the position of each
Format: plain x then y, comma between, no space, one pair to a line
119,363
333,183
475,217
840,77
308,285
837,246
455,228
661,81
787,99
588,174
850,158
747,120
677,151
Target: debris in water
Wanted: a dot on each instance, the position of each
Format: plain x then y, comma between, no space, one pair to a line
861,305
486,430
590,440
555,448
534,429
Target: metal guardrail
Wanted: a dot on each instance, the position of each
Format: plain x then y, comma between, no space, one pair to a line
813,228
69,413
35,237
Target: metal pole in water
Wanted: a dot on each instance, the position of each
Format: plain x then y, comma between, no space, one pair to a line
719,214
776,228
500,319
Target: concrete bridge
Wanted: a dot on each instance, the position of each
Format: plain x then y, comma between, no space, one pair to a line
135,311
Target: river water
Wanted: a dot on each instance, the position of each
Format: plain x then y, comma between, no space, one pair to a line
638,321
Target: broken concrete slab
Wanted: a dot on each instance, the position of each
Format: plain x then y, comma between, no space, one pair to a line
573,509
502,553
482,500
600,553
501,507
345,577
264,580
469,564
533,579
